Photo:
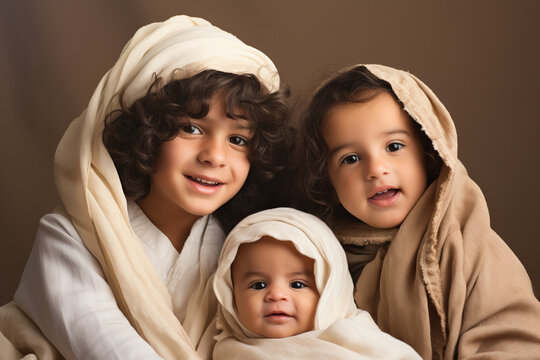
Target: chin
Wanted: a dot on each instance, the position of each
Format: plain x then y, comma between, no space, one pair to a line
201,211
386,224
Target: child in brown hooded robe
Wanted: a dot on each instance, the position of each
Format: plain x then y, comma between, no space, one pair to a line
382,167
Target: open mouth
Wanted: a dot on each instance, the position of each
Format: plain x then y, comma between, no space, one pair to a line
204,182
386,194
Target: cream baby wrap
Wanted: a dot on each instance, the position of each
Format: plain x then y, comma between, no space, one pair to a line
341,330
90,188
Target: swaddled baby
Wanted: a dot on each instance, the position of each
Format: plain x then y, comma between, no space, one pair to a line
285,292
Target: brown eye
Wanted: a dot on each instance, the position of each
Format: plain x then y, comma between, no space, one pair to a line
259,285
350,159
238,140
191,129
393,147
297,285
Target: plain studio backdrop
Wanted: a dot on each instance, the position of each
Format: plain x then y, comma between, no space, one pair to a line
481,58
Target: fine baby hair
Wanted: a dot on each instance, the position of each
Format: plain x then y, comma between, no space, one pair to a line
339,329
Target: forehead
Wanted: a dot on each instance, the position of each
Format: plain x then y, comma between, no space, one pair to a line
269,253
218,112
382,113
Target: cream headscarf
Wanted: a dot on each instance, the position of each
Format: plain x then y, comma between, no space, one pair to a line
341,331
90,188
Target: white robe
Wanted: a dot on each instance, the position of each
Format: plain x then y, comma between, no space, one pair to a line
64,291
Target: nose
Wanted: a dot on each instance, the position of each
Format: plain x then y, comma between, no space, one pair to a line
213,152
376,166
277,292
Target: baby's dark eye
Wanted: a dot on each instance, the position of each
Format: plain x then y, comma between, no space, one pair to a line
191,129
297,285
394,147
238,140
259,285
350,159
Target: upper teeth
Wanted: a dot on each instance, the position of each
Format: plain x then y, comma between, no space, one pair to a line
382,192
204,181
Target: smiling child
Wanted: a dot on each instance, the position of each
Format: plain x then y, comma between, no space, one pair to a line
381,168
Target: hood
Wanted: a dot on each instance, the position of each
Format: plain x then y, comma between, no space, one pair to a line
427,110
312,238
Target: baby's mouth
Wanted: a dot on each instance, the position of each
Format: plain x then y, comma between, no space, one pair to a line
277,314
386,194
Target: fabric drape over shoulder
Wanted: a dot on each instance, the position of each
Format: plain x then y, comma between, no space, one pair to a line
90,188
341,330
445,282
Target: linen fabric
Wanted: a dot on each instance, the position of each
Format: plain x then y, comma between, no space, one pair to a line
79,313
90,189
341,331
444,282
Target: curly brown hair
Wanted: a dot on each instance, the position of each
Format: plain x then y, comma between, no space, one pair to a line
359,85
133,134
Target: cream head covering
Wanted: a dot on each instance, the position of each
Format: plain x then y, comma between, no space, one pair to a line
312,238
90,188
341,330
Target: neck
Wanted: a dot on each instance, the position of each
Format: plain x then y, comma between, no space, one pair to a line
172,221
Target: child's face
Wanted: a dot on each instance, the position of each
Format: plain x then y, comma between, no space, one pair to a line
274,288
375,161
204,166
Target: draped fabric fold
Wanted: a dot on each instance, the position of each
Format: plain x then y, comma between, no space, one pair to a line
90,188
341,330
463,289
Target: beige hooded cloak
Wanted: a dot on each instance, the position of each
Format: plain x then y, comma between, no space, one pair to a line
444,282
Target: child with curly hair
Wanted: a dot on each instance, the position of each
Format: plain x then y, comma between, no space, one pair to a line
175,147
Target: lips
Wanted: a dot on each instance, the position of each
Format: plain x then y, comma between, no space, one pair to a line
278,317
385,194
203,181
277,313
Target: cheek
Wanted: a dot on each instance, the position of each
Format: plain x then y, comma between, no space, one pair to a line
244,303
170,155
344,184
241,167
417,170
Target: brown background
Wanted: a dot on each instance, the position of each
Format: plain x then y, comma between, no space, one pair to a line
481,57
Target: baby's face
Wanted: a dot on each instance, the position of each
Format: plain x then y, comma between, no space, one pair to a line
274,288
375,161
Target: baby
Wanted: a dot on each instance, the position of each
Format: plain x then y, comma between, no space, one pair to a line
285,292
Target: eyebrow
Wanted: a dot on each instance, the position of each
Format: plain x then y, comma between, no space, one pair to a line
253,274
390,132
249,274
240,123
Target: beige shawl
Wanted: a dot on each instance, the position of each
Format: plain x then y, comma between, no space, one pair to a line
447,284
90,189
341,330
